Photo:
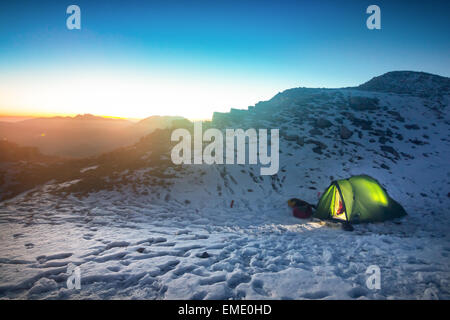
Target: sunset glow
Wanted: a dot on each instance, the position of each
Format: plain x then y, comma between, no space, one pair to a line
175,58
125,95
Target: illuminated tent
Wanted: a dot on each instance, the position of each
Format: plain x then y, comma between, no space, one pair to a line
357,199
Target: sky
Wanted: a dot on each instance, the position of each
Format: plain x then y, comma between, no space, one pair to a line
190,58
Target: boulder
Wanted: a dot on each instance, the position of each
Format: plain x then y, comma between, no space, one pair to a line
345,133
363,103
315,132
390,150
323,123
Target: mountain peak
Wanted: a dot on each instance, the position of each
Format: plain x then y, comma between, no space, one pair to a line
87,116
409,82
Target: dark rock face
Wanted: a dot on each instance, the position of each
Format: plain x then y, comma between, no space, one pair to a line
323,123
290,137
319,146
317,150
383,140
412,126
363,103
397,116
409,82
345,133
361,123
384,166
390,150
300,141
315,132
418,142
221,118
294,138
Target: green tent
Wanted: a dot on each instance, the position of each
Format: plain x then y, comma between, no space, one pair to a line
357,199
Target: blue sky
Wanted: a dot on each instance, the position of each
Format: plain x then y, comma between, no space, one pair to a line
138,58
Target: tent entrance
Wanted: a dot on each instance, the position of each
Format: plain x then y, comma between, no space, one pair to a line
338,210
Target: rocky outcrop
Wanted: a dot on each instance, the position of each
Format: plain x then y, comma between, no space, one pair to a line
363,103
409,82
323,123
345,133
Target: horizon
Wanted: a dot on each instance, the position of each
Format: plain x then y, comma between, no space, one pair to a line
132,60
22,117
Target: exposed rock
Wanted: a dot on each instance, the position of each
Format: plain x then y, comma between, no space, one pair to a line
407,156
409,82
418,142
412,126
363,103
396,116
290,137
390,150
323,123
361,123
345,133
317,143
383,140
301,141
315,132
221,118
317,150
378,133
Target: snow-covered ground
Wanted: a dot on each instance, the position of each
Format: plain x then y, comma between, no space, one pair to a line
133,249
186,242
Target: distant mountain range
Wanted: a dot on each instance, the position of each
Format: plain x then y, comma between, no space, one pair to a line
89,135
80,136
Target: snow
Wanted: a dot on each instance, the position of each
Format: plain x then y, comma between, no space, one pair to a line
135,246
88,169
158,254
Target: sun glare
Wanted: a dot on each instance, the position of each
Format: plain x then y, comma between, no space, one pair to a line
125,95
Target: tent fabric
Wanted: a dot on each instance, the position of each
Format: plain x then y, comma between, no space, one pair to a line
358,199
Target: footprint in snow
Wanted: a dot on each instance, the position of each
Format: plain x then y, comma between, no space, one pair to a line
357,292
88,236
166,267
258,287
113,268
58,256
238,278
316,295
